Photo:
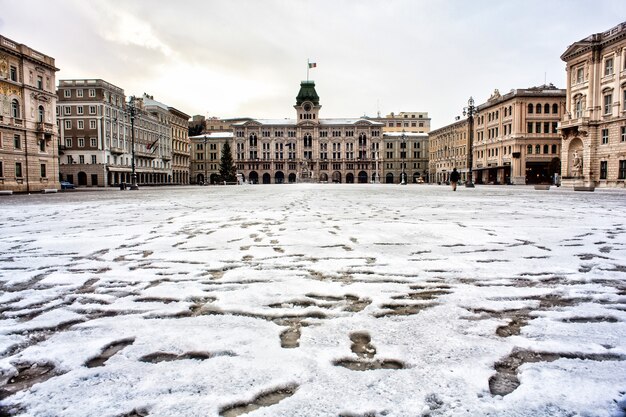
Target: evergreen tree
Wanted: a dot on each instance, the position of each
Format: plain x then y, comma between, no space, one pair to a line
228,171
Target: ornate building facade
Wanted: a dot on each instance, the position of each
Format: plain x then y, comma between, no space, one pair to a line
516,139
448,149
96,138
594,126
28,123
307,148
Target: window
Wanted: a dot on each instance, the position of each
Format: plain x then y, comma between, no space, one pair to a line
621,172
15,109
79,93
579,107
605,136
555,108
68,142
18,170
603,169
92,92
529,149
13,73
67,110
80,124
94,159
81,159
529,127
608,98
41,114
67,93
92,124
538,108
623,133
93,142
39,82
580,75
17,141
538,127
555,126
80,110
537,149
546,127
42,145
43,170
608,66
81,142
2,170
68,124
553,148
545,148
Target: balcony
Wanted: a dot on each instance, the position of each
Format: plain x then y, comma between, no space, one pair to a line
11,121
45,128
574,122
115,150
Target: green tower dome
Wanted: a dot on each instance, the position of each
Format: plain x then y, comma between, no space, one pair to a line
307,93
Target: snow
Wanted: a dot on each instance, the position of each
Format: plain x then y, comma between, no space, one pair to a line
429,274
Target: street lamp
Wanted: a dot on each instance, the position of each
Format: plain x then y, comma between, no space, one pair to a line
206,139
132,111
470,111
402,155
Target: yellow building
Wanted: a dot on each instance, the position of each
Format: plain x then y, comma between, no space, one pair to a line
448,149
516,140
28,122
594,127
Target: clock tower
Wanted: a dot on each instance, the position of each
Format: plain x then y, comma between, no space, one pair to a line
307,103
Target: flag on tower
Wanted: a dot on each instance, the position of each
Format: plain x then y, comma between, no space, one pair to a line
312,64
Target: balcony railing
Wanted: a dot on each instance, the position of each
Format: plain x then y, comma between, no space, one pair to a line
43,127
116,150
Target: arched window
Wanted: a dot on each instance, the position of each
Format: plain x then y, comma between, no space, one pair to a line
505,112
362,139
529,149
553,148
537,149
15,109
545,148
546,108
41,115
530,108
510,110
555,108
538,108
579,107
253,139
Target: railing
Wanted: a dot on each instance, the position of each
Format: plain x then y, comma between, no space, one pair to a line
116,150
45,127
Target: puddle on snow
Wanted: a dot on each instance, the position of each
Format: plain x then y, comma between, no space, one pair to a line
265,399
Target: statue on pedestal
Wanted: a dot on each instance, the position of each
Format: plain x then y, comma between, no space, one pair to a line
577,165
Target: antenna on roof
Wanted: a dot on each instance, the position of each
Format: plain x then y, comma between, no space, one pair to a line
378,107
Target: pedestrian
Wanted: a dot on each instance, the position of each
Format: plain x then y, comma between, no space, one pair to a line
454,178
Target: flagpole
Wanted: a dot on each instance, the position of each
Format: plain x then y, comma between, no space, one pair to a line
308,66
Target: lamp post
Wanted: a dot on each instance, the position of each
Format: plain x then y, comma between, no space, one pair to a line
132,111
402,155
470,111
205,160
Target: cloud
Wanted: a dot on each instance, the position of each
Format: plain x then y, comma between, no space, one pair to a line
247,57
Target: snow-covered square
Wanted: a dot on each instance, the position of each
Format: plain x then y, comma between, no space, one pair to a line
314,300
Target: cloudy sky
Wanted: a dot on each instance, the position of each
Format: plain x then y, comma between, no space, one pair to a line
247,57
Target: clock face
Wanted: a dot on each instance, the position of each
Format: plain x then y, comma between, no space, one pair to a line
307,107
